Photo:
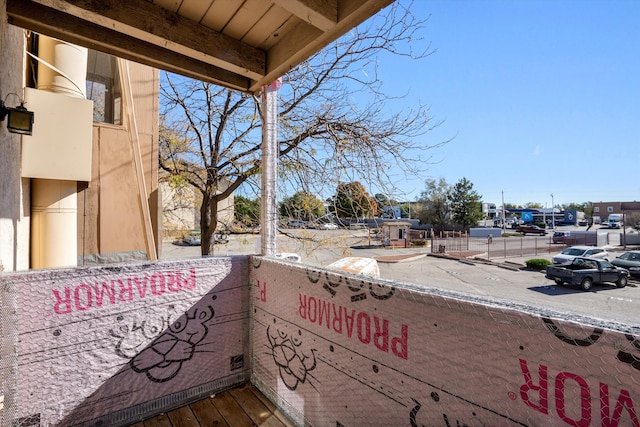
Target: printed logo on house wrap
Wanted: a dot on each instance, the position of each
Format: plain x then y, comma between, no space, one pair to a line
96,295
368,328
544,391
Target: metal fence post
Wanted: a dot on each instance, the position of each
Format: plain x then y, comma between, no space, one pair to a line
521,246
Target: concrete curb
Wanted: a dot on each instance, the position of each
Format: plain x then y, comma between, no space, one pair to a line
399,258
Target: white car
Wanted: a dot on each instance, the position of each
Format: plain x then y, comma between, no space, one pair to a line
328,226
193,238
289,256
567,256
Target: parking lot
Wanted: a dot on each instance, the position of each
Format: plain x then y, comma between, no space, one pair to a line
502,278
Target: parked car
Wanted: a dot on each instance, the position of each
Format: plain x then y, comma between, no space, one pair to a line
629,260
328,226
584,272
530,229
297,224
221,237
289,256
561,236
567,255
193,238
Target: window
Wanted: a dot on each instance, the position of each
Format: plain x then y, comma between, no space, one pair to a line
596,209
609,209
103,87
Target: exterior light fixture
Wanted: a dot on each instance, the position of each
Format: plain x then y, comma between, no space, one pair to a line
19,119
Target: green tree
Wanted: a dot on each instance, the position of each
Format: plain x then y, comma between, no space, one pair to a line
302,205
466,204
533,205
334,120
353,201
246,211
405,208
433,204
512,206
632,219
382,200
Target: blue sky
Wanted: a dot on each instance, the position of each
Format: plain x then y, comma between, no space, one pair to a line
543,97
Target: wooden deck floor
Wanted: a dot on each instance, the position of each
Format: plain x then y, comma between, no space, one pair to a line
240,407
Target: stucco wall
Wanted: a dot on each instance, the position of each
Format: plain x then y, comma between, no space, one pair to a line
14,191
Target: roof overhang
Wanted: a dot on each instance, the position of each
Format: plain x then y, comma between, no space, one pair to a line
239,44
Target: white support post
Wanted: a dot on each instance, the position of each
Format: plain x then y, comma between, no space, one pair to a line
270,148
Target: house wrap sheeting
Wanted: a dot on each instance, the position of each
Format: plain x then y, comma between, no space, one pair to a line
112,345
338,350
115,344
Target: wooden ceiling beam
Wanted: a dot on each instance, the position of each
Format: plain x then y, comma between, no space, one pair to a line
155,25
305,40
55,23
322,14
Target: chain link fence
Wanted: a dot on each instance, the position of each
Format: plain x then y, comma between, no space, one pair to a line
506,247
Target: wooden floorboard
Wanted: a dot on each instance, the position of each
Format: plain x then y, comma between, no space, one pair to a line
207,413
271,407
183,417
239,407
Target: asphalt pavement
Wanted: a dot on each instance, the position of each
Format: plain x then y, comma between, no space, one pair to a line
503,279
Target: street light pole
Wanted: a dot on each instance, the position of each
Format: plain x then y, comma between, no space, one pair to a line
553,214
503,231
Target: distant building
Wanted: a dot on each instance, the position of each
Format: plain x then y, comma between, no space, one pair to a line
602,210
181,209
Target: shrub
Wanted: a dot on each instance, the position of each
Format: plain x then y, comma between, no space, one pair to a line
537,263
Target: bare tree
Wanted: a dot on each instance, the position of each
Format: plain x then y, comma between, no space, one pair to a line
334,122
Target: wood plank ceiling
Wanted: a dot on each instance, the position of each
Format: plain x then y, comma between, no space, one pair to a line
240,44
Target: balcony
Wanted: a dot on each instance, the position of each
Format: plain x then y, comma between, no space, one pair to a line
285,343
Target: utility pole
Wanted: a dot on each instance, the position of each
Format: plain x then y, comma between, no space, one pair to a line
503,230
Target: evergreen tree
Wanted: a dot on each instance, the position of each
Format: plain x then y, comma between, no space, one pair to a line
466,204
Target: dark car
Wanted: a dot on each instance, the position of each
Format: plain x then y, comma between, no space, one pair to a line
297,224
629,260
530,229
561,236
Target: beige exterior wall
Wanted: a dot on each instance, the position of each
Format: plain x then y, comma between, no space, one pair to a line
181,210
110,219
14,191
